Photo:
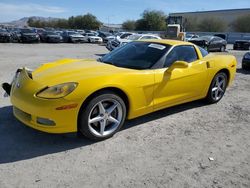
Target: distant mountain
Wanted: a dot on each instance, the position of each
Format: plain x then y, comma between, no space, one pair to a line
23,21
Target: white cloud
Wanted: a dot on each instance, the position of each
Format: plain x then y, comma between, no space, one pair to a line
13,11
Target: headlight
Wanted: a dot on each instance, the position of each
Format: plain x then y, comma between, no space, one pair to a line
58,91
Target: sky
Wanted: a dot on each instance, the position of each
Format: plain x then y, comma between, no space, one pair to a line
108,11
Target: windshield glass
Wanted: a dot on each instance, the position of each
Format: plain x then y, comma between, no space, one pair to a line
136,55
134,37
3,30
27,31
90,34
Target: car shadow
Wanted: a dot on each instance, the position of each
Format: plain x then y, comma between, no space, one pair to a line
243,71
19,142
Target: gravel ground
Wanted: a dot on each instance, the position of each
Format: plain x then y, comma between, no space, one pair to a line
169,148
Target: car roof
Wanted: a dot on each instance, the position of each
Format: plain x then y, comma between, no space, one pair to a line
169,42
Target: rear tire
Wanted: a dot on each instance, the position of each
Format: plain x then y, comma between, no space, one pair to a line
102,116
217,88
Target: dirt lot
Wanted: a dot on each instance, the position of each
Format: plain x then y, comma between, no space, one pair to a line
170,148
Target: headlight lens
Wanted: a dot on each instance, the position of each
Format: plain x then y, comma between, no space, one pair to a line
58,91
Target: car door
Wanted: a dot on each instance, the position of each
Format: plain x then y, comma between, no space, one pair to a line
215,44
181,84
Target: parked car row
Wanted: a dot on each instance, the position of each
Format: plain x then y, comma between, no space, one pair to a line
28,35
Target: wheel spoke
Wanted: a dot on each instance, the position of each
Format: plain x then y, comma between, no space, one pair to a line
113,120
112,108
95,119
102,127
220,89
101,108
214,89
221,83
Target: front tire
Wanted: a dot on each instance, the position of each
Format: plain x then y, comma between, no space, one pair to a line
102,116
217,88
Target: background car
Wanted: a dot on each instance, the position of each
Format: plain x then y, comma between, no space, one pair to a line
15,34
210,43
5,36
29,35
191,36
241,45
246,61
111,45
72,36
119,35
52,37
92,38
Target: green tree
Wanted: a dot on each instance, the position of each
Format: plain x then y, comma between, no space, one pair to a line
129,25
242,24
211,24
89,21
152,21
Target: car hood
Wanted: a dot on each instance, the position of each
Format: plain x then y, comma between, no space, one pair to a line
54,36
73,70
79,36
94,37
197,39
29,34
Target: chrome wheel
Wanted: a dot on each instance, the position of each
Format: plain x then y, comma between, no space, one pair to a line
105,117
219,87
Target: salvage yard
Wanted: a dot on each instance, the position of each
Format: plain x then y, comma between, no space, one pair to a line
191,145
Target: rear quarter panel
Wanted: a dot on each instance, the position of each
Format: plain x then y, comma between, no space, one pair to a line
217,63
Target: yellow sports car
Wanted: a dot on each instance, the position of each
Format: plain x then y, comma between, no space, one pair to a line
94,97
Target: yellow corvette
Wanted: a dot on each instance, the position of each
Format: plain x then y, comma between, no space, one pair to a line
95,97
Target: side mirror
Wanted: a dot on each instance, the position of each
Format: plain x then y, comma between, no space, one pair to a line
178,65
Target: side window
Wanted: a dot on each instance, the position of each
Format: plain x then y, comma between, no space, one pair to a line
203,51
146,37
181,53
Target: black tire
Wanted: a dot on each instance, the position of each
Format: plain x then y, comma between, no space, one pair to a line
89,41
210,98
87,109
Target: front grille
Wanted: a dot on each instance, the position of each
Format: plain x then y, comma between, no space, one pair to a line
21,114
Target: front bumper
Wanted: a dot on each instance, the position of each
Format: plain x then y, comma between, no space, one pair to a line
77,39
30,39
34,111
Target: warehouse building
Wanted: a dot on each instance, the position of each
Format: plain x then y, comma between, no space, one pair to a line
227,16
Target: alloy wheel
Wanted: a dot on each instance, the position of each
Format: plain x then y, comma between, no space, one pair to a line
105,117
219,87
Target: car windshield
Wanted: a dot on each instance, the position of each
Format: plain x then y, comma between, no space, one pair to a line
134,37
3,30
90,34
136,55
27,31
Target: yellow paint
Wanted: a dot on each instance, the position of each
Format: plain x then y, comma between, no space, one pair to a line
146,90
